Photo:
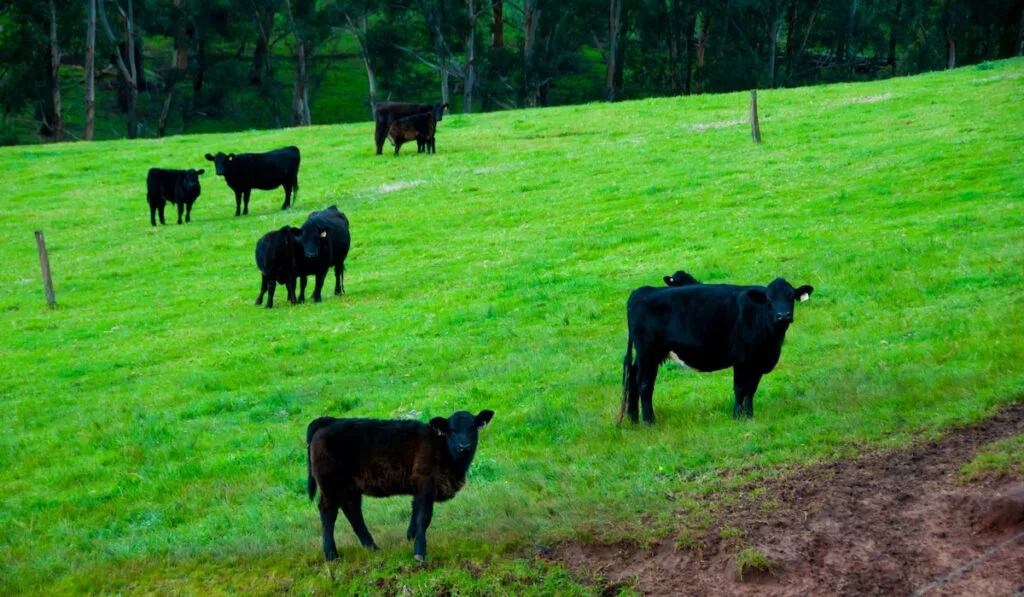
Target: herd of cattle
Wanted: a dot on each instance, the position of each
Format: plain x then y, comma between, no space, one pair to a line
706,327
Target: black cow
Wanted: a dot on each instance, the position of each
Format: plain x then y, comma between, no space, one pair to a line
386,113
418,127
706,327
180,187
281,260
325,241
680,278
350,458
265,171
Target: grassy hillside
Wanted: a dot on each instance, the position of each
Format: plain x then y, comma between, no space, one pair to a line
153,431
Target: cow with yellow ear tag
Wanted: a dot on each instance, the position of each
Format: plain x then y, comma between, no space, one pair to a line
325,241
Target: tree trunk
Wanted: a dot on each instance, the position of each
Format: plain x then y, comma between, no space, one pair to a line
467,95
497,25
895,23
128,72
790,30
851,27
1020,36
197,78
161,126
90,70
180,61
58,117
689,25
950,49
673,47
775,31
261,63
702,43
614,19
300,96
531,18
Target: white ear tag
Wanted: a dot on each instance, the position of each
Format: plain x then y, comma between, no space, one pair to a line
804,297
324,235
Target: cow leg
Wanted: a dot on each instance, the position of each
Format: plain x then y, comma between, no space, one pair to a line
161,210
424,513
328,514
152,214
263,290
188,212
398,145
246,199
319,286
411,533
238,203
287,195
744,385
339,276
647,373
181,211
379,135
302,289
271,287
290,284
352,506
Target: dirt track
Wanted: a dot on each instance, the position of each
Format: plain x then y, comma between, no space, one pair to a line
884,524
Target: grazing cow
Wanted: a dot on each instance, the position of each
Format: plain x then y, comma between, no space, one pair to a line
281,260
180,187
706,327
680,278
384,114
265,171
418,127
350,458
325,241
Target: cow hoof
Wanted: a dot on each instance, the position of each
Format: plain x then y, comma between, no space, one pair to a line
259,302
331,555
420,559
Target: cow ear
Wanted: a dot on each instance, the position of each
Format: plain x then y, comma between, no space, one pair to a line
484,418
803,293
209,157
296,232
439,425
668,280
444,107
200,171
757,296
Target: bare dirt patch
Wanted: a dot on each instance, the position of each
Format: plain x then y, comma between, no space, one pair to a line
889,523
869,99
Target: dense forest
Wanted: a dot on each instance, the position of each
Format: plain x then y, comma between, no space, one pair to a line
95,69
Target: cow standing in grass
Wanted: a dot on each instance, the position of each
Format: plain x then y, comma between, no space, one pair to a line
280,258
418,127
180,187
350,458
386,113
706,327
325,241
265,171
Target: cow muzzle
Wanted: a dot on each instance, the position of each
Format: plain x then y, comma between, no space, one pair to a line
783,318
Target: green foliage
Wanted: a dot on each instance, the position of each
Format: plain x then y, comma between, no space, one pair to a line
996,460
153,430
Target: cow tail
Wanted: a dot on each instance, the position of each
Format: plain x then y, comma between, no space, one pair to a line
628,376
310,481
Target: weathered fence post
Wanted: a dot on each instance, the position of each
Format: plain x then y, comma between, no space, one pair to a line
44,262
755,127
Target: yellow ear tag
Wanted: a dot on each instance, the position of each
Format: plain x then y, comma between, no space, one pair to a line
323,234
231,157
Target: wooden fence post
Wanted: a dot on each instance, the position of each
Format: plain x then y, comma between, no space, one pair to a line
44,262
755,127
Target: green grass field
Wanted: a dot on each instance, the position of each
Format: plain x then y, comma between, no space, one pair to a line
153,427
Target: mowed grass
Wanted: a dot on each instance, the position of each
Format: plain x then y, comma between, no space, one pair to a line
153,425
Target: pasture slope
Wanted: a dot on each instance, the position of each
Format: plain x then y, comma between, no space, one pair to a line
152,431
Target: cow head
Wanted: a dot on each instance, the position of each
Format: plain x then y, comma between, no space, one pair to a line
460,432
220,161
680,278
439,110
190,182
779,298
313,233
